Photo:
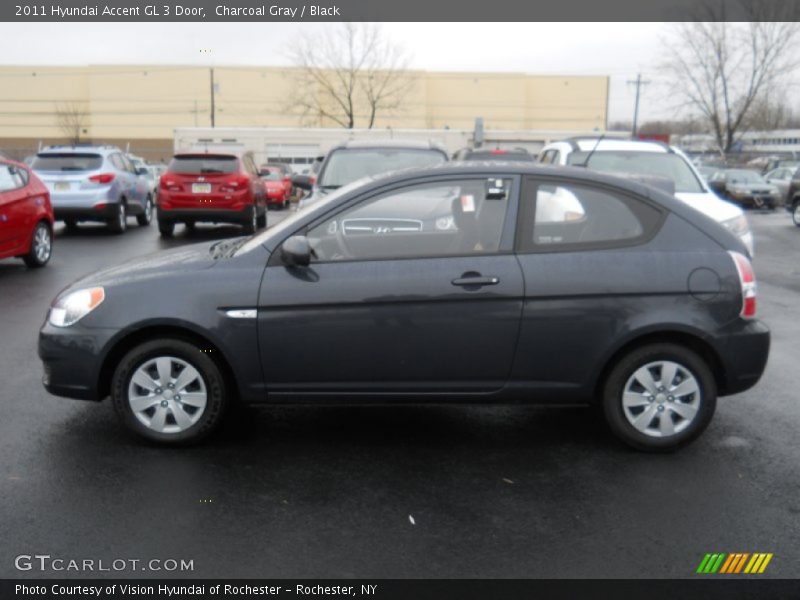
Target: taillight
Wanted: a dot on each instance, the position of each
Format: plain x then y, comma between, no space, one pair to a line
235,183
169,184
747,282
102,178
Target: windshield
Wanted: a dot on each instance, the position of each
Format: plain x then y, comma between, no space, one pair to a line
204,163
271,174
743,176
67,162
661,164
289,223
346,165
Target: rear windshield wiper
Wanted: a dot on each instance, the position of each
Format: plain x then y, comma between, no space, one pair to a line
211,171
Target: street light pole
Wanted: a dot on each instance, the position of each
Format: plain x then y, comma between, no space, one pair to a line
638,82
213,109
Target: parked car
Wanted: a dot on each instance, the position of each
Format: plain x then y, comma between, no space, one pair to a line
353,160
26,216
146,172
278,186
94,183
632,300
793,195
493,154
211,188
745,188
781,178
651,159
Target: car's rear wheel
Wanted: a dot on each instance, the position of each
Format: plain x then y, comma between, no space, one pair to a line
796,213
118,223
169,391
144,219
262,219
251,223
659,397
166,228
41,246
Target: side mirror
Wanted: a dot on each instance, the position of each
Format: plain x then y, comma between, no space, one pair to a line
302,181
296,251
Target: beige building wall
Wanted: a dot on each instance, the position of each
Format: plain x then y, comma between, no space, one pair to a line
149,102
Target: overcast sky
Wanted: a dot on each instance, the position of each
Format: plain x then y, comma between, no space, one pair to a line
619,50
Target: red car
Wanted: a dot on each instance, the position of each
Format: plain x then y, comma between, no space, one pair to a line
211,188
277,184
26,215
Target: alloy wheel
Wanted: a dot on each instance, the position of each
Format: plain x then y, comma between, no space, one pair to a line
661,398
167,394
796,214
42,243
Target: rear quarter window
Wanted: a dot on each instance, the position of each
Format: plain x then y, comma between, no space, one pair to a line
570,216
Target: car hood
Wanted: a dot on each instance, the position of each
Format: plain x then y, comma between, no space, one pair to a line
711,205
158,265
749,188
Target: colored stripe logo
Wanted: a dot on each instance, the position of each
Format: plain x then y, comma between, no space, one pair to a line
738,562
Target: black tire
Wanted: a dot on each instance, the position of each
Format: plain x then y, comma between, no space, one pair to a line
41,246
217,395
261,221
166,228
250,225
119,222
146,217
796,212
614,387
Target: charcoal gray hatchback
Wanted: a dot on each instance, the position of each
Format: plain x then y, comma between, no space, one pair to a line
469,282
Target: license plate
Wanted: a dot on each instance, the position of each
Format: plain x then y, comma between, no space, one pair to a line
62,186
201,188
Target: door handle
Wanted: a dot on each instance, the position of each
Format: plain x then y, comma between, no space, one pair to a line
476,281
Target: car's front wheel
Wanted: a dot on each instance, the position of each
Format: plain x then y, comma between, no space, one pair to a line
169,391
796,213
659,397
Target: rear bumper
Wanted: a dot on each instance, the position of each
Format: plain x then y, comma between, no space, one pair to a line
743,348
85,213
204,215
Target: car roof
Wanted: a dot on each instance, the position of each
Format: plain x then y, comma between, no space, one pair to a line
79,149
391,143
587,144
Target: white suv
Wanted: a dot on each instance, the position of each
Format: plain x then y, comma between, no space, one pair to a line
653,159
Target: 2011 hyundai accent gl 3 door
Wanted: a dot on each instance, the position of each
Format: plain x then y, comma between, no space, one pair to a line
462,283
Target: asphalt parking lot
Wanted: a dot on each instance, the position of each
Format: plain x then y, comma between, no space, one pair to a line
393,492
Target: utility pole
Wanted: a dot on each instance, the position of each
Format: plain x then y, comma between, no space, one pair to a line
213,110
638,82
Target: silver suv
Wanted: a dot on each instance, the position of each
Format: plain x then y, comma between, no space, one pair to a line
94,183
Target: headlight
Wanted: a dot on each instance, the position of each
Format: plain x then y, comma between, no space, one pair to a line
737,225
71,308
445,224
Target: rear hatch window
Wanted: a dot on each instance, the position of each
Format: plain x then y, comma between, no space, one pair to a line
67,162
204,164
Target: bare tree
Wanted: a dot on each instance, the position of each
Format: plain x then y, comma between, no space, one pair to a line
722,69
72,118
348,72
770,113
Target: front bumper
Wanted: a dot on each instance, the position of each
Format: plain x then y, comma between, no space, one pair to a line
743,349
72,358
